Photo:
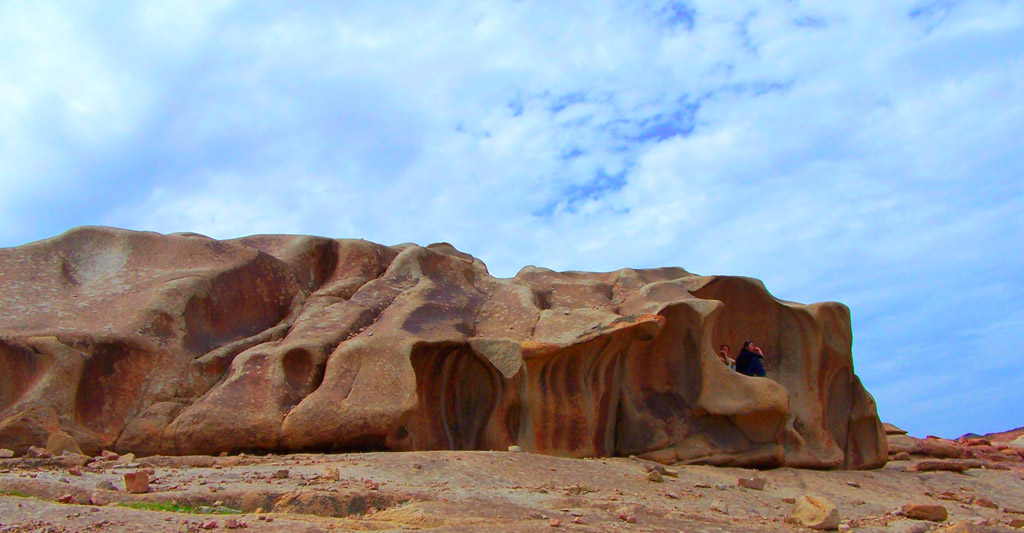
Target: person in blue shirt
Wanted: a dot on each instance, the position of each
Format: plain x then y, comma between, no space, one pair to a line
749,361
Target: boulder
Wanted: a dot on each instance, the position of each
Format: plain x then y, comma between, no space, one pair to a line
181,344
930,446
892,430
814,512
982,449
36,452
22,428
919,511
938,447
136,482
60,442
904,444
948,466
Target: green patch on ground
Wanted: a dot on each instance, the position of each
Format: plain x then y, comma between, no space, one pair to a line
14,493
174,507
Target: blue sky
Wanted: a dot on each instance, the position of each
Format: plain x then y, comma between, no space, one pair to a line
864,152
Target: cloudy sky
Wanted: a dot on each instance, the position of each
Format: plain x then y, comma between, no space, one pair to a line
866,152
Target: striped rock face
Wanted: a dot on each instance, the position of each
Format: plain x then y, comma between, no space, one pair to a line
181,344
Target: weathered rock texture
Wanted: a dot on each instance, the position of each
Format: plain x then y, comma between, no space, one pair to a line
958,455
181,344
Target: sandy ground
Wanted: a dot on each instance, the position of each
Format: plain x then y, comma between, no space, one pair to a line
475,491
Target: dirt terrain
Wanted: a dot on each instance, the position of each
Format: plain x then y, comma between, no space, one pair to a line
472,491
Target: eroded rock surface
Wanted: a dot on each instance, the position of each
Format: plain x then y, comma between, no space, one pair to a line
181,344
969,451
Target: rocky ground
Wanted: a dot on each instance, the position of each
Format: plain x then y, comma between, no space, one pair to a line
509,491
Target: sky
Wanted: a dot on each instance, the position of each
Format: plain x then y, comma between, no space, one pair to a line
870,152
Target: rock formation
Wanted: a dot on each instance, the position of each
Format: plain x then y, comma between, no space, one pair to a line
181,344
993,450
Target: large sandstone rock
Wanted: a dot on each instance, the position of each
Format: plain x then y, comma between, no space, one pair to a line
181,344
